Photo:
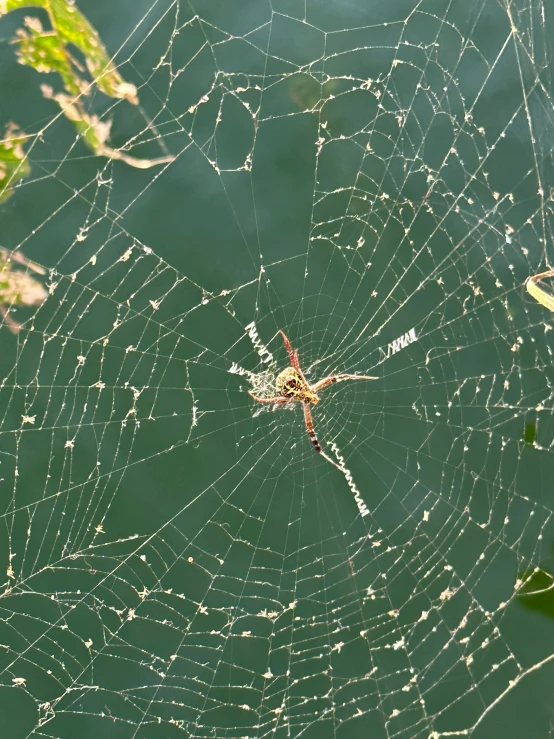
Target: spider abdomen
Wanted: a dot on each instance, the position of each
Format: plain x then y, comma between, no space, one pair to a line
290,384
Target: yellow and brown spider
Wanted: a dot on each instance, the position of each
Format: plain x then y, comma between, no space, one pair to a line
291,386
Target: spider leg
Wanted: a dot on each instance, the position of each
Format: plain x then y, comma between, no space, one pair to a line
278,399
322,384
310,426
293,356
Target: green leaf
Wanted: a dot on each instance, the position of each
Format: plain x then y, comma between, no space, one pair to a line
18,287
530,433
537,592
48,51
537,290
14,165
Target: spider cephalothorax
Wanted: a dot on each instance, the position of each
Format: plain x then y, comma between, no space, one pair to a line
291,386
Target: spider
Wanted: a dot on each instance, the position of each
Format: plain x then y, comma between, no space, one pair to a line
291,386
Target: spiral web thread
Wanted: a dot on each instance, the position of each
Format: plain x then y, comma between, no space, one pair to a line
179,561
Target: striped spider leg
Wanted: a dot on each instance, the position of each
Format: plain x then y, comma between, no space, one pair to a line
292,386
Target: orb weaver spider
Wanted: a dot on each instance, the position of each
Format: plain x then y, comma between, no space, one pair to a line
292,386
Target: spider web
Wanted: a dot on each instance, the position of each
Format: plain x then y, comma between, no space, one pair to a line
180,562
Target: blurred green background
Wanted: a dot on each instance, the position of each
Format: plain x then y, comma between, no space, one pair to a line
179,561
